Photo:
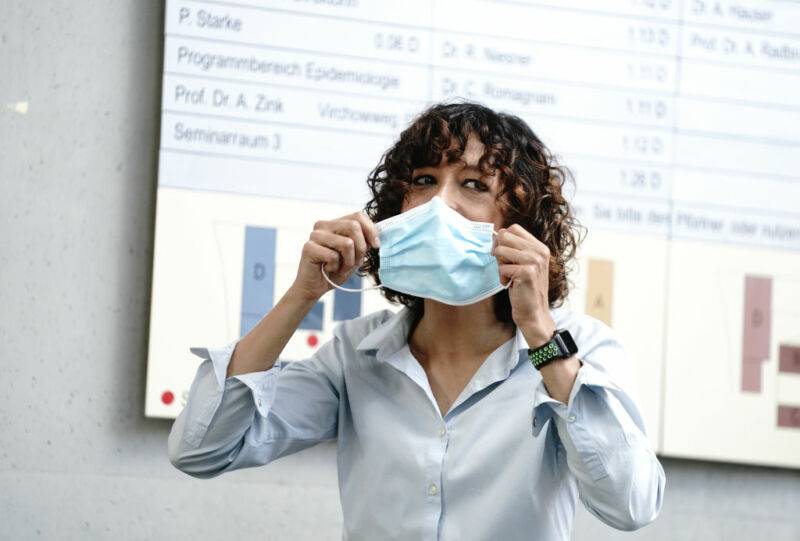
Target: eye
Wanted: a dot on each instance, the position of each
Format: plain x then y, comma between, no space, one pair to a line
423,180
475,184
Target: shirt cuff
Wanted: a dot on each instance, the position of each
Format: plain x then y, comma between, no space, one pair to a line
261,384
545,406
592,420
220,359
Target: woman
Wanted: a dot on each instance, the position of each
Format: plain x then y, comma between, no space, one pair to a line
478,411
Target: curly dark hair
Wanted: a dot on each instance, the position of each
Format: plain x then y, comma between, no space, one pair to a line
531,185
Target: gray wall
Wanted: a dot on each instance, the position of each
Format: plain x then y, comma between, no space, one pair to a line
78,460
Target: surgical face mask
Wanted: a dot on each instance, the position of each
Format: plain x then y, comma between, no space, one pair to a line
432,251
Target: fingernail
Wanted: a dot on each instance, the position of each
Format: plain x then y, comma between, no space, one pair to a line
376,241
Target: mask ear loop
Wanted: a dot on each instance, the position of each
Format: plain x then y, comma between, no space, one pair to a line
349,290
494,234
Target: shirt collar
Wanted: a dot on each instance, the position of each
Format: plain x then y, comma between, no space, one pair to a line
389,343
498,369
520,343
392,335
389,337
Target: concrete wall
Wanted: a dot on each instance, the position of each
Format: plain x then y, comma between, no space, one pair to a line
78,460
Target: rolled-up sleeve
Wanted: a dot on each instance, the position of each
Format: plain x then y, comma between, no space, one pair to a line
252,419
620,479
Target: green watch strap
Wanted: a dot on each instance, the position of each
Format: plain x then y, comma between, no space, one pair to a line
560,346
544,354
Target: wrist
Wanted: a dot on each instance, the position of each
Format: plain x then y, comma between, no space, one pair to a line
538,334
559,377
302,297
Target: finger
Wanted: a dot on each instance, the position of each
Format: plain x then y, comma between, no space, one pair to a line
519,231
507,273
323,224
522,275
351,228
507,254
316,253
344,245
370,230
516,231
507,238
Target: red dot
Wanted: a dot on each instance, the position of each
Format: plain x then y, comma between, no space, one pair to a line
313,340
167,397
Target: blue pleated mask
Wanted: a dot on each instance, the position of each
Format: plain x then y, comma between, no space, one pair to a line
432,251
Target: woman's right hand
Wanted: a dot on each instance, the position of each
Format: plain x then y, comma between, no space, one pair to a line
341,245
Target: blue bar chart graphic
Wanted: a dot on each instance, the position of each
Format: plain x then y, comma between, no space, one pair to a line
258,282
347,305
258,286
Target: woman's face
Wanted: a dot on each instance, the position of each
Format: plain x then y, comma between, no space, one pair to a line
461,185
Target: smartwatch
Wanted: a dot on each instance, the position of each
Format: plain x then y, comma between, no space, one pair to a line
560,346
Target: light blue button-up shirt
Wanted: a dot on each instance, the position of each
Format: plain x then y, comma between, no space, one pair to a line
506,462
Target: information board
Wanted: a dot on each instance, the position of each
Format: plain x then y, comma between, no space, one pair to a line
679,119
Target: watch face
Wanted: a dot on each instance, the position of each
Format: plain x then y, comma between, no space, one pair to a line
569,343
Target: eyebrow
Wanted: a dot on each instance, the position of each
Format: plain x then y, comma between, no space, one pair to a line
474,167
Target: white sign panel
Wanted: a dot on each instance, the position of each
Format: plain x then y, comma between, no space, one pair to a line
680,121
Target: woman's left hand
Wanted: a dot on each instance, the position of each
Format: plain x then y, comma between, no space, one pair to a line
525,260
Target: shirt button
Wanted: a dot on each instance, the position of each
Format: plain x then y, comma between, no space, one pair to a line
258,402
571,418
442,431
535,420
219,388
433,490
